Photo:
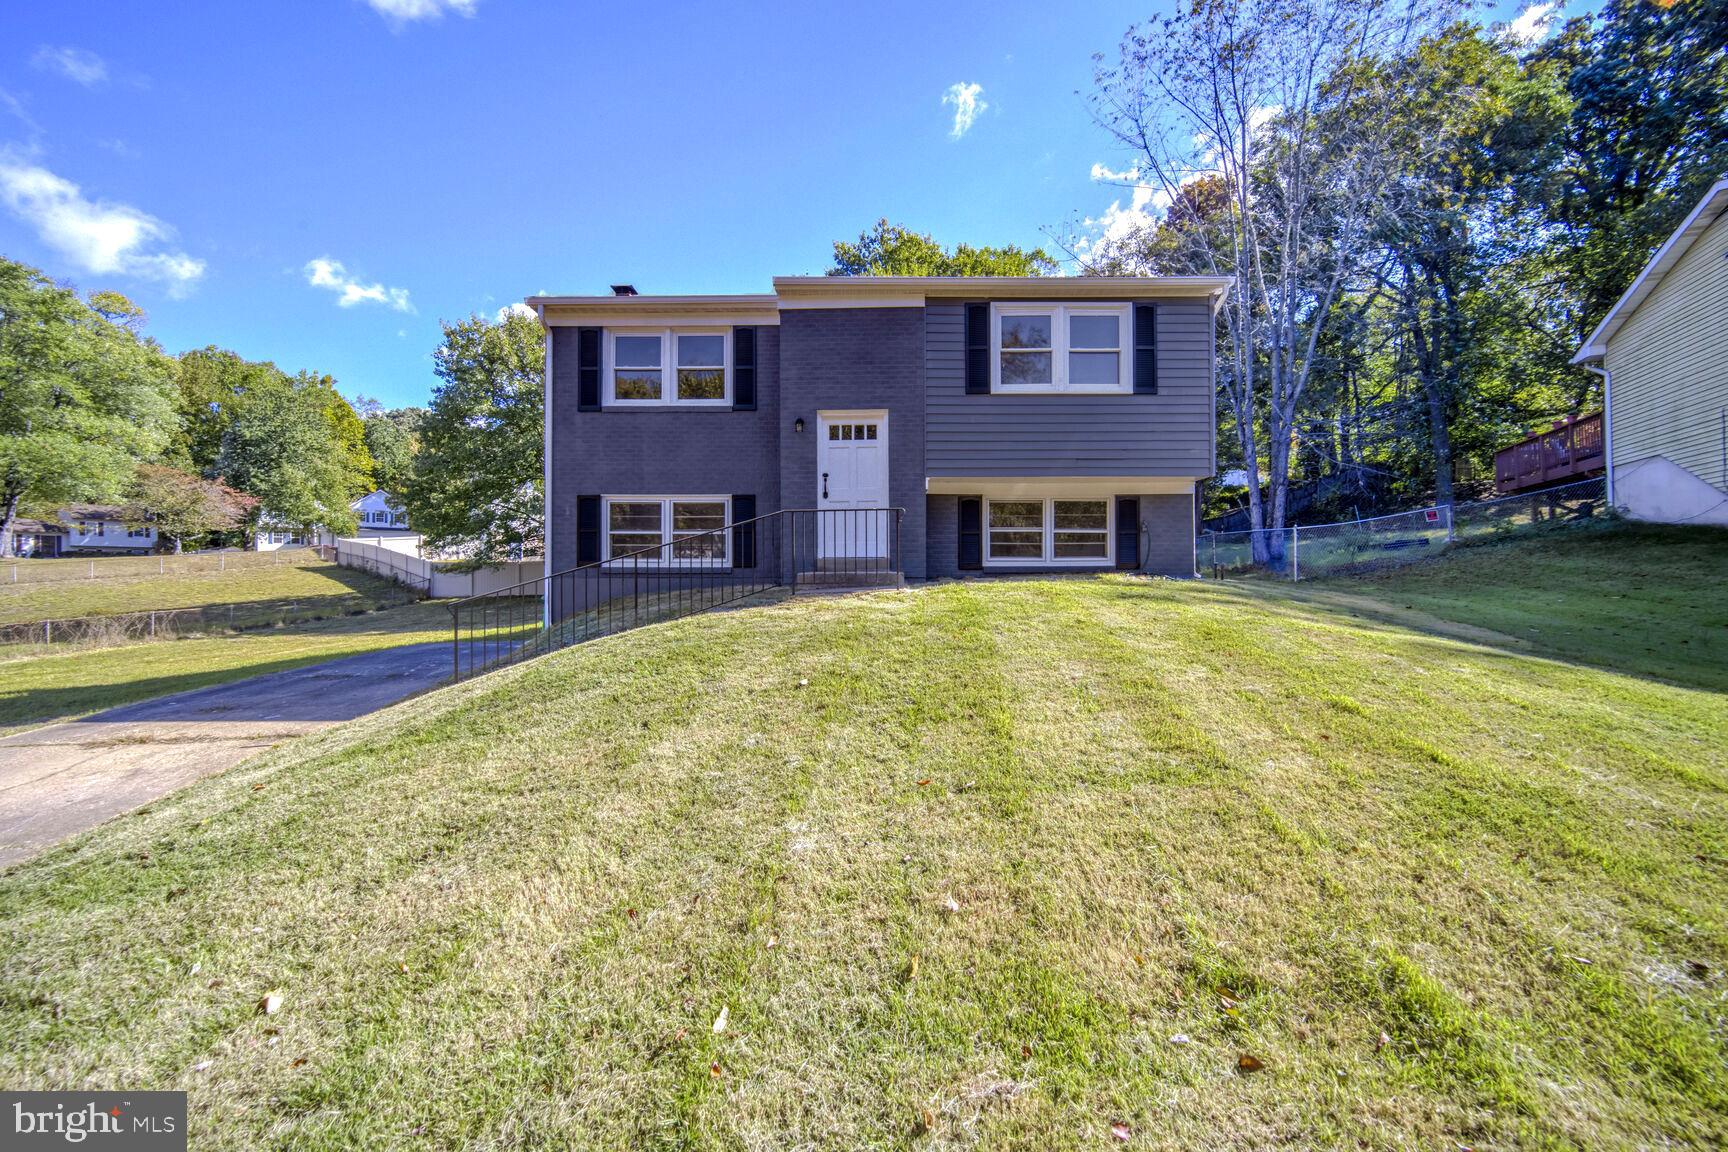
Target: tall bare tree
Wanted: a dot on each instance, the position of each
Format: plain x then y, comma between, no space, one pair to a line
1265,122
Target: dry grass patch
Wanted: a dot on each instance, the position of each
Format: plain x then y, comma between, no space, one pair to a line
966,887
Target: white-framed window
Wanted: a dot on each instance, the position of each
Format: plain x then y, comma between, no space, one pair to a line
1049,531
1060,347
668,366
685,530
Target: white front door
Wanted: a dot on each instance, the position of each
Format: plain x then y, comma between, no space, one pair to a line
852,475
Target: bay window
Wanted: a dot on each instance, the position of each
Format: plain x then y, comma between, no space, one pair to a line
1056,532
668,366
680,529
1059,348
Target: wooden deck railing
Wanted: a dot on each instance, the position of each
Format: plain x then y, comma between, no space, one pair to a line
1570,450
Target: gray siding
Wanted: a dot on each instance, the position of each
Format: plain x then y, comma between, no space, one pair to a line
659,451
1169,434
839,358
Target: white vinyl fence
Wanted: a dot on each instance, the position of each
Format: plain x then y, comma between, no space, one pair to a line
433,578
1311,551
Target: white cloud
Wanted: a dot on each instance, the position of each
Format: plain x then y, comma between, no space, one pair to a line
75,64
407,11
327,273
98,236
516,309
1533,25
968,106
1146,202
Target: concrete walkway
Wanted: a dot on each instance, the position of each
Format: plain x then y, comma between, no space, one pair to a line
62,779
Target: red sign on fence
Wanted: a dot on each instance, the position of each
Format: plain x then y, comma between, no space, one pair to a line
1432,515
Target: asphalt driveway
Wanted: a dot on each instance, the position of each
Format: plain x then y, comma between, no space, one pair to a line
62,779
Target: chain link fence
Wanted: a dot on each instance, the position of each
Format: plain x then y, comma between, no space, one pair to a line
1350,546
80,568
172,623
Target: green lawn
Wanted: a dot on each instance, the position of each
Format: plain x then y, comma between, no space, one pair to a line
38,688
1639,598
301,590
958,866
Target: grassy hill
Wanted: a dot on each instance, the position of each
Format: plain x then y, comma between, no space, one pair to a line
300,588
998,864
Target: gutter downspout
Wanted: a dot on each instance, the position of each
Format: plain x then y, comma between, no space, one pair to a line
546,477
1607,424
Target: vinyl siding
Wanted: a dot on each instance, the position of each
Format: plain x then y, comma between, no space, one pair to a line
1669,364
1169,434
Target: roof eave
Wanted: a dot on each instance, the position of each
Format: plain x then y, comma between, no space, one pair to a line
1674,247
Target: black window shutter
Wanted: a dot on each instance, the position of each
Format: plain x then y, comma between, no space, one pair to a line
1146,349
743,535
743,369
1127,532
588,370
977,349
971,533
587,529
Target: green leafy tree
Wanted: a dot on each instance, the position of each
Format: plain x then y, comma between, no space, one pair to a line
214,385
347,431
1648,132
892,250
282,449
476,488
393,439
82,396
184,507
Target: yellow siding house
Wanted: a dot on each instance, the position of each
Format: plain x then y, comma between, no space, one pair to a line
1662,351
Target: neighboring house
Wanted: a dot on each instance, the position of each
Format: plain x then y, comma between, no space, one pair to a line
1023,424
376,514
1662,352
38,538
101,528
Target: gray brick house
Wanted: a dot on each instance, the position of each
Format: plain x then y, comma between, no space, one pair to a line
1022,424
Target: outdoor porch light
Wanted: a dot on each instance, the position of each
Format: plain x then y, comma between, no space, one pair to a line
798,424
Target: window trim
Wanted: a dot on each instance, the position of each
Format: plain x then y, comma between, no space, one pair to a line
666,503
668,367
1059,314
1049,559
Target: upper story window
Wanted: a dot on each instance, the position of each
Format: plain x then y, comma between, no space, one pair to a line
1059,348
669,366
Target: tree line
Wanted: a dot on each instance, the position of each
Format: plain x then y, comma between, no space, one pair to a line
1422,219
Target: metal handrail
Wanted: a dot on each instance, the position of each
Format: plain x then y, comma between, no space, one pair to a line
587,592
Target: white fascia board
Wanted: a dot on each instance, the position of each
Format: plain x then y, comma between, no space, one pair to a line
1715,202
1078,487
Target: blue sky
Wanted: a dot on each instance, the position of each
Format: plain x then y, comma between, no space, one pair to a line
319,182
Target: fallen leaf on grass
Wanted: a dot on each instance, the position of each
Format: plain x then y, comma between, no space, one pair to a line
720,1020
1121,1132
912,968
950,905
773,940
630,913
1025,1051
272,1002
1380,1044
257,787
714,1071
201,1065
298,1062
1181,1038
924,783
927,1121
1246,1063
